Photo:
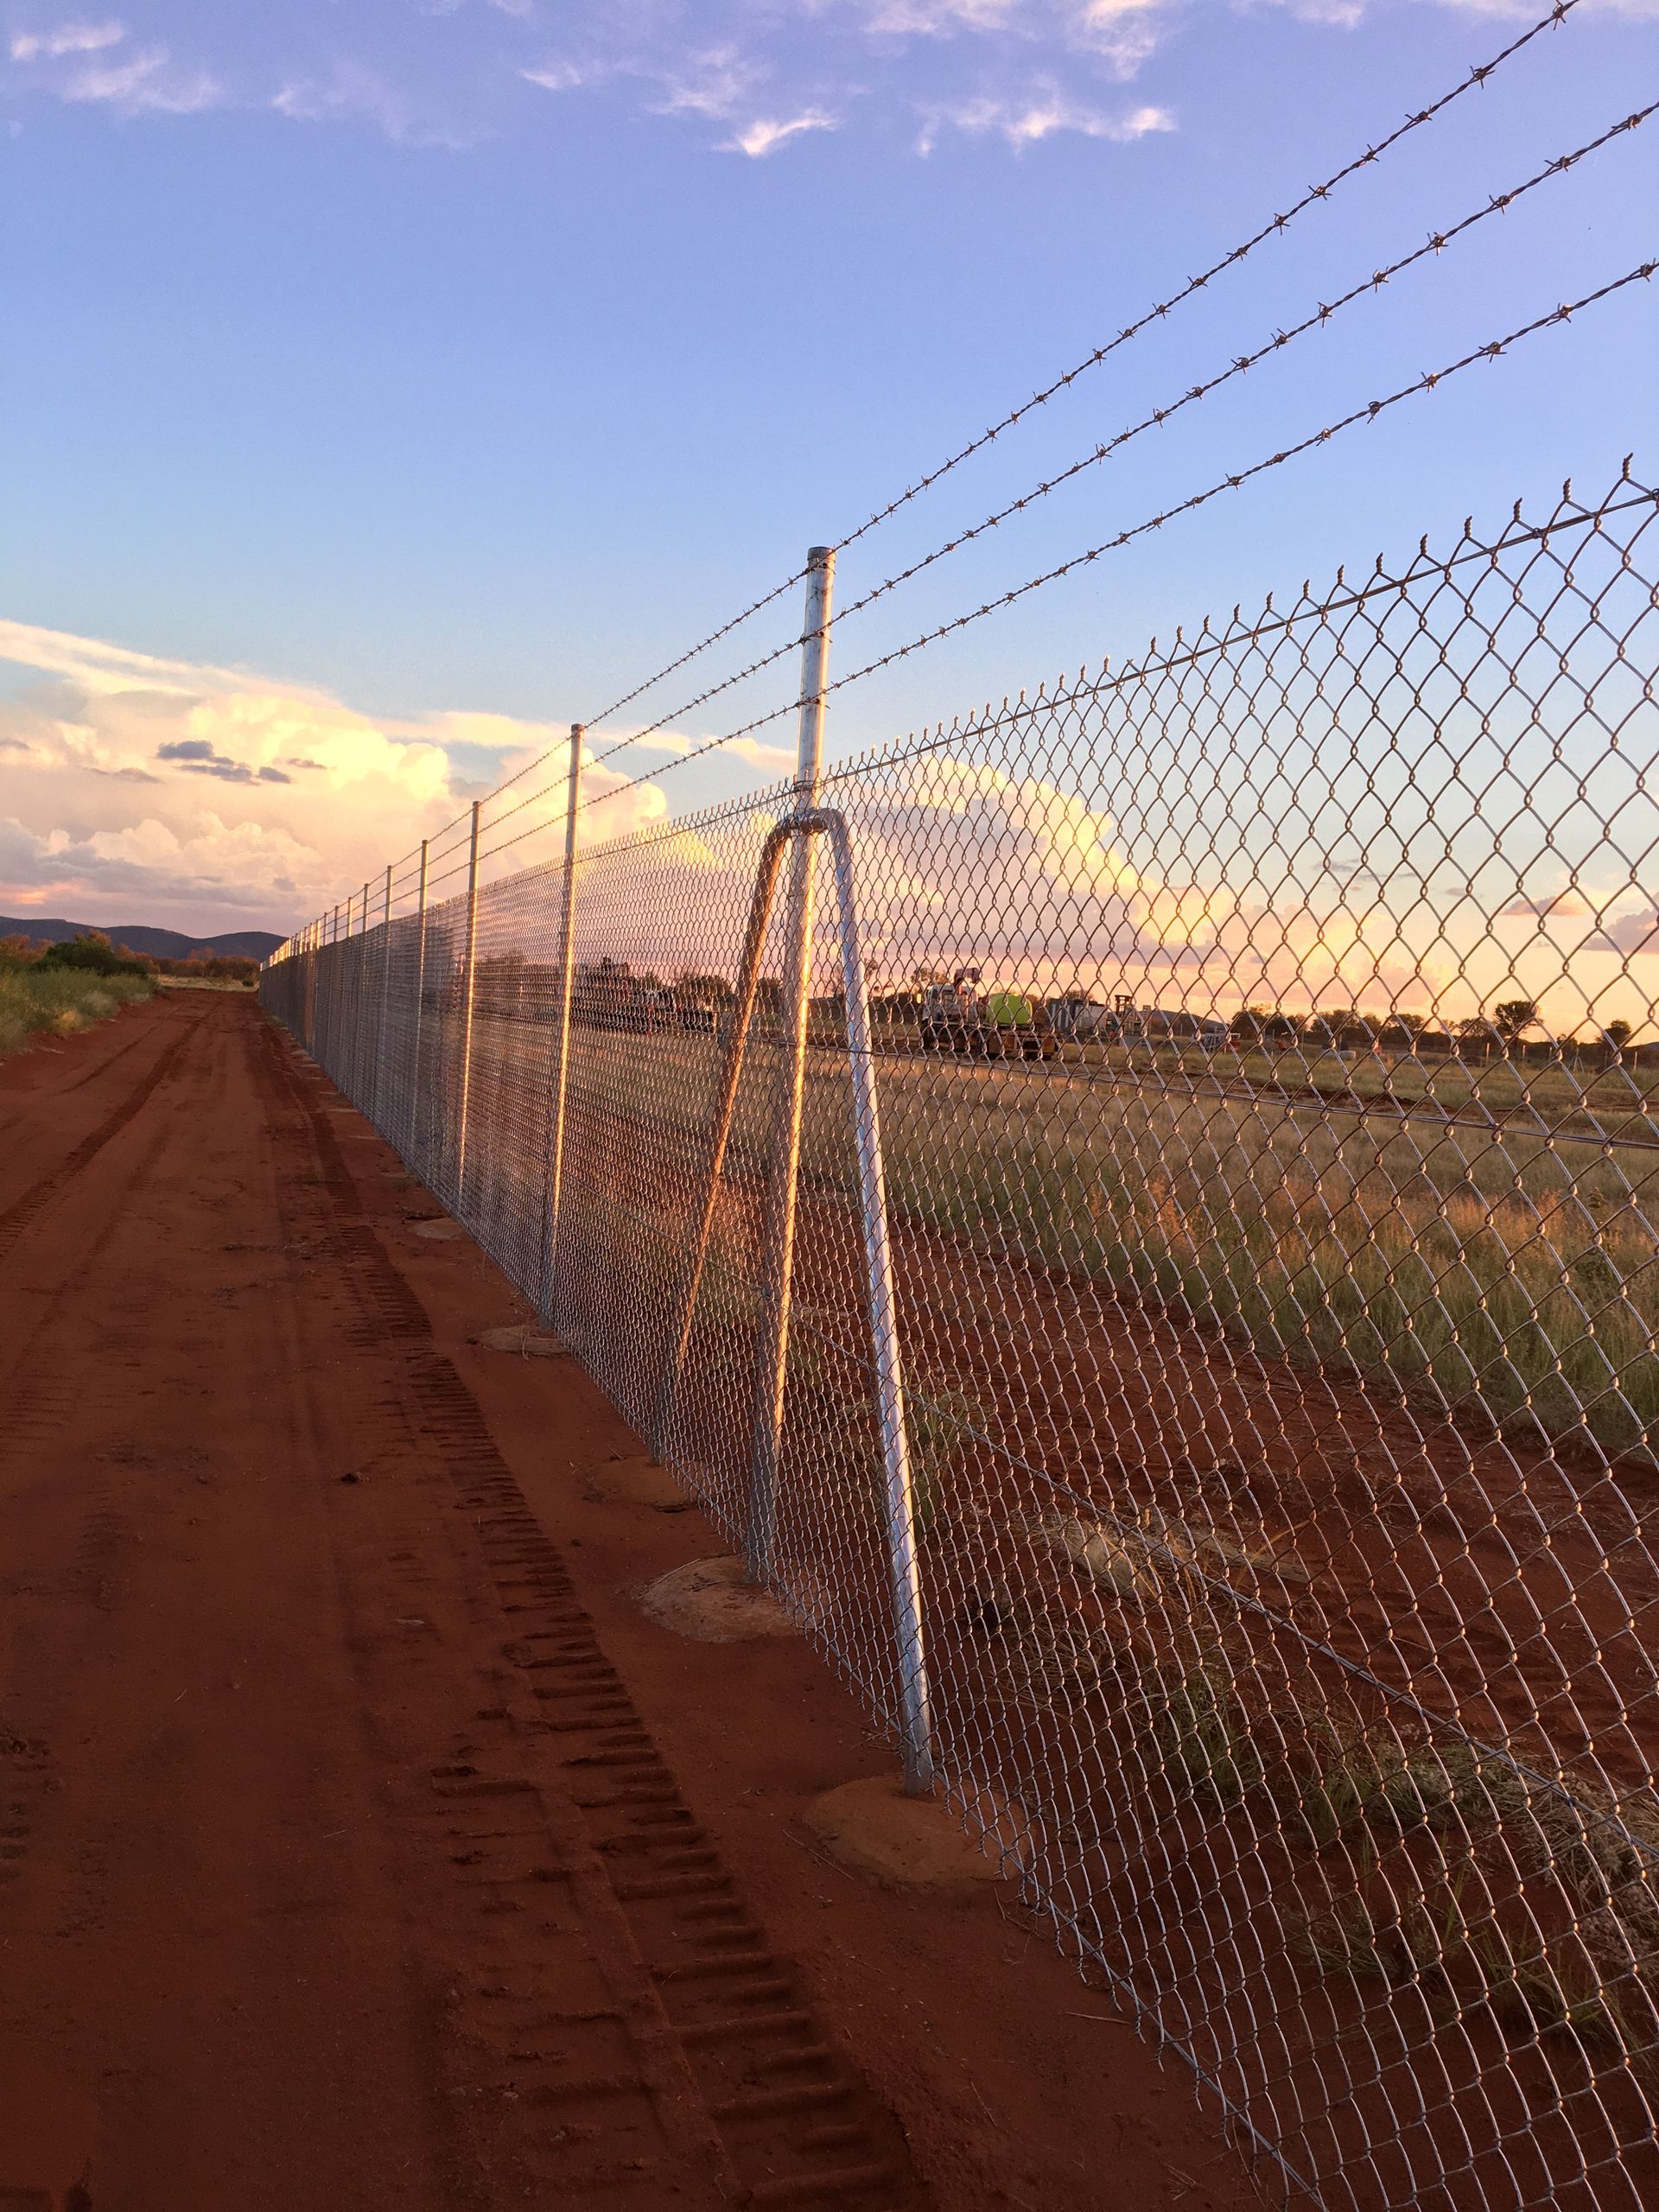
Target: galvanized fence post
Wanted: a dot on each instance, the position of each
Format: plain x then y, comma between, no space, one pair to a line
359,1025
779,1249
554,1189
903,1575
346,1004
415,1148
385,995
470,963
679,1332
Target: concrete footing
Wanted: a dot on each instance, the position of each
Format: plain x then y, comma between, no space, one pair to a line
524,1339
873,1829
708,1599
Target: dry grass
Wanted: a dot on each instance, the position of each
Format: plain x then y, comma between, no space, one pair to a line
58,1001
1509,1270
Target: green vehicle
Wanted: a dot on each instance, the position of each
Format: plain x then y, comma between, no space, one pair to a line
1002,1024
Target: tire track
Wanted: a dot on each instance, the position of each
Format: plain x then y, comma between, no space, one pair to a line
796,2124
22,1211
39,1399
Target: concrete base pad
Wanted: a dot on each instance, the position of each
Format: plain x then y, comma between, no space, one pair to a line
707,1599
873,1829
438,1232
524,1338
637,1482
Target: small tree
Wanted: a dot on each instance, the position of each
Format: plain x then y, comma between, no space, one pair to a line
94,953
1512,1017
1474,1033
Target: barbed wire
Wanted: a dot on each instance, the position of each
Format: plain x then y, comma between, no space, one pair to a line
1492,351
713,638
1436,244
1427,382
1478,74
1477,77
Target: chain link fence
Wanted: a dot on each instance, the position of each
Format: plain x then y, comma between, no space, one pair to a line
1264,1034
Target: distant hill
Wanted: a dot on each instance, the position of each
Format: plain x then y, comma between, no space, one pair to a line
160,944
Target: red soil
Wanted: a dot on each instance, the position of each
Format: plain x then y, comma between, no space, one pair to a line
361,1844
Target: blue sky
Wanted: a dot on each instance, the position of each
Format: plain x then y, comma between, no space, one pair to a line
436,371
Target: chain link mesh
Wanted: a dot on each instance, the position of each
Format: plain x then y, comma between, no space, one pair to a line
1265,1035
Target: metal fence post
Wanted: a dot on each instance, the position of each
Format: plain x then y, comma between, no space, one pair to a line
341,1072
554,1190
679,1332
904,1575
778,1249
360,991
385,996
414,1152
471,961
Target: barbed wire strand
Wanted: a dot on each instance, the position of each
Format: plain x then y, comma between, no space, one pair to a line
1478,74
1492,351
1477,77
1436,242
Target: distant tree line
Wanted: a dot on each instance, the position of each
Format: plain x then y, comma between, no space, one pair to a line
93,953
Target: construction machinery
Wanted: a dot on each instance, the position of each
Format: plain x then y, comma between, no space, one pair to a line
1003,1023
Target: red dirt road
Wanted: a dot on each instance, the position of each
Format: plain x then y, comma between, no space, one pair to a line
361,1844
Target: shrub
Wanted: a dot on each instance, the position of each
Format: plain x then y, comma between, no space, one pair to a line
61,997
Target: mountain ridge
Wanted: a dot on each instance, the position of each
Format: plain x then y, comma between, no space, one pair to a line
139,936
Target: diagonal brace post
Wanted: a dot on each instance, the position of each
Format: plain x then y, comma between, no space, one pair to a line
903,1578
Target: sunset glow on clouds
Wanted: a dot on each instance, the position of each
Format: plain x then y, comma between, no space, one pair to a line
208,797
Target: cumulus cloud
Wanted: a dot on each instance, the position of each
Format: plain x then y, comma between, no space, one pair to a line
215,868
202,789
1558,905
960,862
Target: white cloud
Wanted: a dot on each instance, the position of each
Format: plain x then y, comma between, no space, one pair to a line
67,38
143,84
194,790
132,82
100,667
567,76
935,18
1040,114
761,136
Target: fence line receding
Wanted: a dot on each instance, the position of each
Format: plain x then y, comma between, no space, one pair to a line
1266,1038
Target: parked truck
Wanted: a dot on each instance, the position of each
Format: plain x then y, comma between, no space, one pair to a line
1002,1023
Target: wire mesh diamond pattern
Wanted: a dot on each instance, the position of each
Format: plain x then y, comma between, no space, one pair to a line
1265,1037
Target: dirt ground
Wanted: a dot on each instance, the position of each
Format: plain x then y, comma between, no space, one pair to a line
362,1843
